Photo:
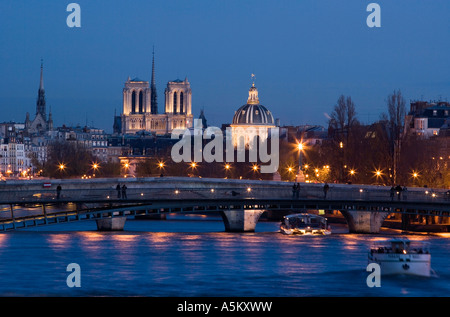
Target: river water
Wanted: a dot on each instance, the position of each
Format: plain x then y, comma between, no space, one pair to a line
192,256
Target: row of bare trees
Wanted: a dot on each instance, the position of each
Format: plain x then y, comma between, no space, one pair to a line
378,153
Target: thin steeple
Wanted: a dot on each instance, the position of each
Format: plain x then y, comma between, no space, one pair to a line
154,97
153,67
41,84
40,103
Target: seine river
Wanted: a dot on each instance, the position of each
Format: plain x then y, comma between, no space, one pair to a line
192,256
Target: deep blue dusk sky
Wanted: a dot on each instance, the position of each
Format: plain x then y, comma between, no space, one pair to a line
304,53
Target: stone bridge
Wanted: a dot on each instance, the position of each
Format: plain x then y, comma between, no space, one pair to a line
240,202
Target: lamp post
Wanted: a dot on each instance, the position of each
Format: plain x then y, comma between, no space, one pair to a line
95,167
161,168
415,175
352,173
61,168
227,168
300,177
193,167
126,167
341,154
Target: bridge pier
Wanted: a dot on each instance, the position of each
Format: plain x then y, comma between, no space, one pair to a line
111,223
363,221
240,220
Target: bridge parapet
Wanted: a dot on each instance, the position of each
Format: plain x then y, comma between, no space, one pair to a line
201,188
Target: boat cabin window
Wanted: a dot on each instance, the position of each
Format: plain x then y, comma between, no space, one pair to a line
399,246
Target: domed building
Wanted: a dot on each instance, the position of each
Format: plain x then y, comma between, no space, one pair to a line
251,120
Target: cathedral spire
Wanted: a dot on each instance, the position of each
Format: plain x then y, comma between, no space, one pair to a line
40,103
153,67
41,84
154,97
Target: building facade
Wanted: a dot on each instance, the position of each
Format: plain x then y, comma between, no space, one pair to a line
140,107
425,119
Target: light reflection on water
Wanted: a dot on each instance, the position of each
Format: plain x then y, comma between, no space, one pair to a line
193,256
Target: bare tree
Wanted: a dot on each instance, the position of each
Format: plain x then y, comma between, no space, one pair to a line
396,112
341,125
343,117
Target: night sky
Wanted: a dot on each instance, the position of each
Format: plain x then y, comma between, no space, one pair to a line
304,53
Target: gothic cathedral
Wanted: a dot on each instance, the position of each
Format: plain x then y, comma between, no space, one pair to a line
140,107
40,125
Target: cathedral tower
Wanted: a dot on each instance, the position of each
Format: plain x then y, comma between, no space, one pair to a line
179,104
140,106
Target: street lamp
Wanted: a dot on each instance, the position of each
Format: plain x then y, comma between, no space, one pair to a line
290,170
415,175
95,167
161,167
61,168
378,174
126,166
193,166
227,167
300,176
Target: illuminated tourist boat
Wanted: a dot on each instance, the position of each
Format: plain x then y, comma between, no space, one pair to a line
304,224
400,256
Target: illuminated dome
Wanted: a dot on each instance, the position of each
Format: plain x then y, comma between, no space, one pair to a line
253,112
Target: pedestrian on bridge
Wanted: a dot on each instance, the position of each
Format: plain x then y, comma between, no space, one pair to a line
325,190
58,192
392,192
398,188
124,191
295,190
118,190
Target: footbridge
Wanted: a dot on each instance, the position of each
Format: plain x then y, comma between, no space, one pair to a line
32,203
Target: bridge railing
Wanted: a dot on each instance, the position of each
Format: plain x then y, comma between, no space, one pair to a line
307,191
